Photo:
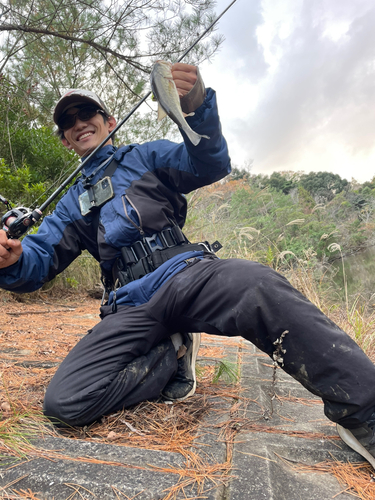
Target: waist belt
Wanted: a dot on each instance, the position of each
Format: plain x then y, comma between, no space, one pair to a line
146,255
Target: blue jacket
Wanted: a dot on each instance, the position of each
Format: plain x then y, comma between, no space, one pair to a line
149,186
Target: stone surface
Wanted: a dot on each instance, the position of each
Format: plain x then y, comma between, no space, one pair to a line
262,459
131,472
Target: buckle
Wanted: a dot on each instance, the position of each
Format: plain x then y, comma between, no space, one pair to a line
163,236
139,250
203,244
128,257
152,242
140,269
178,235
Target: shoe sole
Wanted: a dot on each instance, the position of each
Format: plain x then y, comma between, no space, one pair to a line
195,348
354,444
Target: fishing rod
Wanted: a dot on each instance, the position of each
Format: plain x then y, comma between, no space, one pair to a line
17,221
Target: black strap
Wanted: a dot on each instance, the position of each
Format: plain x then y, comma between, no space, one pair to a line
160,256
108,172
136,261
111,168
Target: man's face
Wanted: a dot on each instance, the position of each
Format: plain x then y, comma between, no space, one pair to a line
85,136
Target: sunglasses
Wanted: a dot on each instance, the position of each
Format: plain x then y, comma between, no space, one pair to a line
67,121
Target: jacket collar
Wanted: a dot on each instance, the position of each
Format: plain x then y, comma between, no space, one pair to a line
103,153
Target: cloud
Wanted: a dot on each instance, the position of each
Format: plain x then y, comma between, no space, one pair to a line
321,86
242,46
302,86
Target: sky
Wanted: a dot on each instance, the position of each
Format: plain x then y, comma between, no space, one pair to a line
295,82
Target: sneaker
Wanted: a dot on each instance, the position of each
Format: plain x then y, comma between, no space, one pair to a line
184,383
361,439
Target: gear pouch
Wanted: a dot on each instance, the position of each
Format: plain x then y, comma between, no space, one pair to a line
96,196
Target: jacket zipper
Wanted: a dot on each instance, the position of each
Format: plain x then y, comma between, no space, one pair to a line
136,211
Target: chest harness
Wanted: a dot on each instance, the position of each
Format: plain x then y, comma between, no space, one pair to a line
147,254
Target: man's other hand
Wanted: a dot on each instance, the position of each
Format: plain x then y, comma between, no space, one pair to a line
10,250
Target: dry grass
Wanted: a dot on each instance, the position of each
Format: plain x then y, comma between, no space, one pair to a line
45,333
357,479
149,425
49,336
211,217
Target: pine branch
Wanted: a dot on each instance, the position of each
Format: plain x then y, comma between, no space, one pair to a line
101,48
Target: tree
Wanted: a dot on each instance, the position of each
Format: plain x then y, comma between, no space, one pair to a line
239,173
107,46
32,159
281,183
323,186
47,47
305,199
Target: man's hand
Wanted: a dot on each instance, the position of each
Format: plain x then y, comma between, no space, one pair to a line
10,250
184,76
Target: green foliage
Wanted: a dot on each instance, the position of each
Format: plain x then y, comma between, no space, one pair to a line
82,275
270,256
323,186
239,173
43,152
72,282
286,225
226,371
263,222
16,185
32,158
281,183
305,199
368,185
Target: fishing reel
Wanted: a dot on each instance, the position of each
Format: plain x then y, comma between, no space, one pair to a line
18,220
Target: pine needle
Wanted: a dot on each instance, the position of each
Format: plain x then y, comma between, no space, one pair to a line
357,478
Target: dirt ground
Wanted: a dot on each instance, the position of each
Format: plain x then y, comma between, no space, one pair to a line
45,330
36,335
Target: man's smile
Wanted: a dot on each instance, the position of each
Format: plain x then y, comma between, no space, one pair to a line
80,137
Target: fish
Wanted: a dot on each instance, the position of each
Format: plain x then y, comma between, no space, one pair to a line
165,92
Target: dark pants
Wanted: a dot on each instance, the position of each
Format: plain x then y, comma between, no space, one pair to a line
128,357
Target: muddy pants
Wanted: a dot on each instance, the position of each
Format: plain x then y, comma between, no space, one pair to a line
128,357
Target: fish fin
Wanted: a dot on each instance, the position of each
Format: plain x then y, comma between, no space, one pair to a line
161,113
194,138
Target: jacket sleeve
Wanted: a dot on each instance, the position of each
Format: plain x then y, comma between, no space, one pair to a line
185,167
45,254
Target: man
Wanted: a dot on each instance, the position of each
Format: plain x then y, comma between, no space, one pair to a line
128,209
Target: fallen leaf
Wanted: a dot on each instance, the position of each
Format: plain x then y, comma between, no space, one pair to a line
112,436
5,406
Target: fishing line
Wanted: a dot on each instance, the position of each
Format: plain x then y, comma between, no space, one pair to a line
205,32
